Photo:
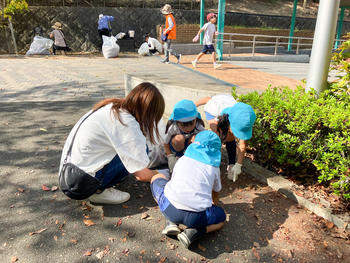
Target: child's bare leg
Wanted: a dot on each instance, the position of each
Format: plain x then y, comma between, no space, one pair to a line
213,57
215,227
199,56
178,142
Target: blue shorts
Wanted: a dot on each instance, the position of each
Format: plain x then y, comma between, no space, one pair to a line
199,220
208,49
208,116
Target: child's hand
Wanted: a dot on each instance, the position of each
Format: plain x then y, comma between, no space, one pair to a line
195,39
216,33
233,171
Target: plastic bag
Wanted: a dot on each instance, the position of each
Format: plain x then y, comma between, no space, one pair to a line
40,46
110,48
120,35
156,152
144,49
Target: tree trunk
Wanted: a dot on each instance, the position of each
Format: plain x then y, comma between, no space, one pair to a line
304,4
13,36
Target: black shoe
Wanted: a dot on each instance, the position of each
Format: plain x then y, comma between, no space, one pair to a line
166,61
170,229
188,236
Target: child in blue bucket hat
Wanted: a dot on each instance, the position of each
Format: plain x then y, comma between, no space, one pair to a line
233,121
191,195
184,122
241,118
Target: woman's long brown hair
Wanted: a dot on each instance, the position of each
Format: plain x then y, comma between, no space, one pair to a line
145,103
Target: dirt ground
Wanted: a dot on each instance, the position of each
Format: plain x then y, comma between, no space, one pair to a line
240,76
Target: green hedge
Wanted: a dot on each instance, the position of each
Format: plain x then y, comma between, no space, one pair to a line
302,130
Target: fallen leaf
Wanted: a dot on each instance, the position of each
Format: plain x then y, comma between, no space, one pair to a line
55,238
273,255
329,225
111,239
144,215
325,244
21,190
131,234
256,253
125,206
86,216
45,188
162,260
57,222
142,252
290,253
88,253
43,129
119,222
14,259
38,232
124,239
125,251
74,241
54,188
12,206
89,222
202,248
256,244
100,255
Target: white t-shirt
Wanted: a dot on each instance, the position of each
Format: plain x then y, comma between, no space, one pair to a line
209,31
218,103
154,44
174,130
101,137
191,185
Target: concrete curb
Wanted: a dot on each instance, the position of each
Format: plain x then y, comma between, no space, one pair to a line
277,58
285,186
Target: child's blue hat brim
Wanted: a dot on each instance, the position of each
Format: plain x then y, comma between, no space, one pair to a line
184,111
206,148
242,118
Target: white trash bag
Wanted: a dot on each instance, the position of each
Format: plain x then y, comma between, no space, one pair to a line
120,35
40,46
158,46
144,50
156,152
110,48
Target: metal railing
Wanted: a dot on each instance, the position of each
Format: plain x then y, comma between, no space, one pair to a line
176,4
278,41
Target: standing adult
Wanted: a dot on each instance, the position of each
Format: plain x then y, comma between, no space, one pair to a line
104,26
58,35
169,33
108,143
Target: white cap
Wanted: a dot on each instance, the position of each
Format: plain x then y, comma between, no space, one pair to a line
100,16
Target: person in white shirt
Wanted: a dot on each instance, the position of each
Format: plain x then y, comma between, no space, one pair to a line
153,44
109,142
191,196
209,30
231,123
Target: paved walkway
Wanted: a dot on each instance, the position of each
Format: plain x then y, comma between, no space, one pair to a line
249,75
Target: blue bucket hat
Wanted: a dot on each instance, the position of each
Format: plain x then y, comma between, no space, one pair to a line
206,148
242,118
184,111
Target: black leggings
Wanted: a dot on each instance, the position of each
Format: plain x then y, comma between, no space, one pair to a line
54,48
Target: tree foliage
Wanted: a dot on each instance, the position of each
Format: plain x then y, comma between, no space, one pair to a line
13,7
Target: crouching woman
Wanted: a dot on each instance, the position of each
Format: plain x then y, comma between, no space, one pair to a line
108,143
190,197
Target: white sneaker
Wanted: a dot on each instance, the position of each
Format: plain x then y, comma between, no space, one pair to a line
194,63
110,196
216,65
